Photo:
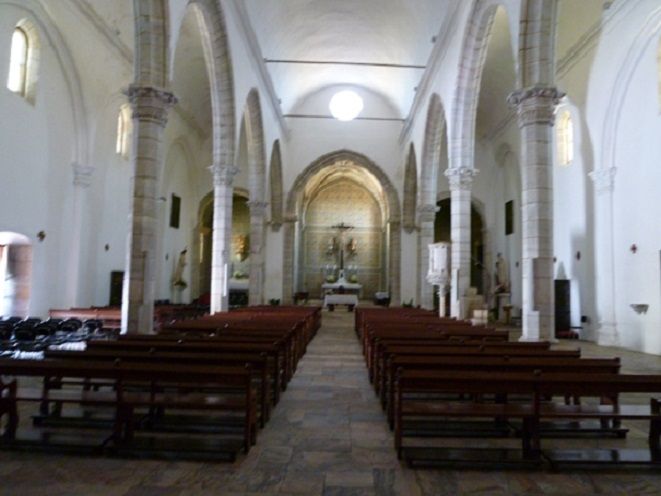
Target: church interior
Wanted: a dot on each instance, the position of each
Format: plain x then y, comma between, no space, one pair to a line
293,184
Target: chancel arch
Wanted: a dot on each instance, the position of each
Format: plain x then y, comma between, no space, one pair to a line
317,200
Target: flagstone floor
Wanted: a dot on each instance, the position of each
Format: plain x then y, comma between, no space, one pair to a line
328,436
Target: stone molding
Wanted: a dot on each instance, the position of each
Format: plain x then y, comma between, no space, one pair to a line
536,104
150,103
223,175
290,219
427,213
461,178
82,175
604,179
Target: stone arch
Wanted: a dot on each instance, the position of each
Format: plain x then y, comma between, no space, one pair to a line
474,50
294,200
275,175
218,60
410,191
46,26
431,152
256,153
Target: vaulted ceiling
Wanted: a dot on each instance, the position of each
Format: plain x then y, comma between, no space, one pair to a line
379,45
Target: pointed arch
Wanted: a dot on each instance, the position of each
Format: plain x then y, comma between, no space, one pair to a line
410,191
275,175
393,214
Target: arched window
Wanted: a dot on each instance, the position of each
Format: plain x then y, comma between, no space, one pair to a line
565,138
18,62
123,131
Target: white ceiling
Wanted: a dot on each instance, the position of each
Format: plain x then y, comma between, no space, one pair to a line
372,31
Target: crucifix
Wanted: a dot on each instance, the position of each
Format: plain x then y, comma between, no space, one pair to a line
342,228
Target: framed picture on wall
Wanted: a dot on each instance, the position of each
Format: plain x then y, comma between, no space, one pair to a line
175,210
509,217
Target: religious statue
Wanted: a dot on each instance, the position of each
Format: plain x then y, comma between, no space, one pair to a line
332,246
178,277
352,247
502,275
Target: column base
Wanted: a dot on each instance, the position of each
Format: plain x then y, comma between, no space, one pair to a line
607,334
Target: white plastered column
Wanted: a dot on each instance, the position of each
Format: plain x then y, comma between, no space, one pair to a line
536,115
223,177
257,232
82,179
150,108
604,183
426,217
461,183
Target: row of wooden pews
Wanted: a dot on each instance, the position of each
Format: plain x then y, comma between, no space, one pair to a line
441,381
201,388
111,318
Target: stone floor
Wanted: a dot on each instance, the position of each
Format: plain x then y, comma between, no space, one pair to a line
327,436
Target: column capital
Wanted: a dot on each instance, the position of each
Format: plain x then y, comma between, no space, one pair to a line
150,103
461,178
82,175
223,175
604,179
535,104
427,213
290,219
257,208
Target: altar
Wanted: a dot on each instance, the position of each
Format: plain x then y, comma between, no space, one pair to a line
347,287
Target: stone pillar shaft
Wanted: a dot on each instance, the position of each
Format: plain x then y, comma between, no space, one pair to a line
223,177
257,233
461,182
394,261
150,107
535,108
604,181
426,217
288,255
82,179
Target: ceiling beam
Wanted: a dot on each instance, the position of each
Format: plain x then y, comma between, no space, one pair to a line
322,116
337,62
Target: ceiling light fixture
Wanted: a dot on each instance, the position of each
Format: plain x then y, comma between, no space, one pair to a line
346,105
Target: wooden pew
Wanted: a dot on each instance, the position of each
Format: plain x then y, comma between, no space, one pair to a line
537,388
259,364
489,363
151,386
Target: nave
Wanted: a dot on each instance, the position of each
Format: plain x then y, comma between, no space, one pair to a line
327,436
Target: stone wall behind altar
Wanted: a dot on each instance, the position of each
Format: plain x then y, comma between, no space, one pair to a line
348,202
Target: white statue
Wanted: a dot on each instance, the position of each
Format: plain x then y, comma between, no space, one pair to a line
178,277
502,275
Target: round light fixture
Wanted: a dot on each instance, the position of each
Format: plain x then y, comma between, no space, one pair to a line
346,105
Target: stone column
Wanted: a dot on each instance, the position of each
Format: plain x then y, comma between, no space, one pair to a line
257,226
536,114
395,262
461,182
426,217
288,255
82,179
150,107
604,183
221,241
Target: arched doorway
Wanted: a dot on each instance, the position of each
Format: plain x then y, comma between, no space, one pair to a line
319,200
239,255
15,274
442,232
